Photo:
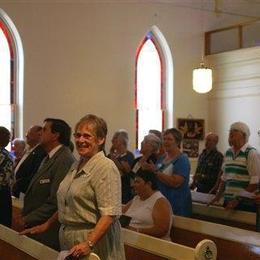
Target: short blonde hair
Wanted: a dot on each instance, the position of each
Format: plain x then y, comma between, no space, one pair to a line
99,124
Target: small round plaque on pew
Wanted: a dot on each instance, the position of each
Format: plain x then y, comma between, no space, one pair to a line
206,250
93,256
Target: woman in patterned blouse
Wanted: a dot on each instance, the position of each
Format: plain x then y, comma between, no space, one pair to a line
6,170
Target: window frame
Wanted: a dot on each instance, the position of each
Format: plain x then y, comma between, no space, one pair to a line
17,73
165,56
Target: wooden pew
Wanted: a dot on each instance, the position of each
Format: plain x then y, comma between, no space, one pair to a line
217,214
15,247
140,246
231,242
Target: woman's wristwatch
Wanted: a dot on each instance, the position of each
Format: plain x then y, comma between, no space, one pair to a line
90,244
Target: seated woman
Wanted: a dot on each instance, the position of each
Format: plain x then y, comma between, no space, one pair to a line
149,149
149,210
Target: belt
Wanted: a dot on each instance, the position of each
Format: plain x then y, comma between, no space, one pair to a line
78,226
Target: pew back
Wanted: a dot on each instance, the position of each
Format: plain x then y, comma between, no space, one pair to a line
141,246
13,246
232,243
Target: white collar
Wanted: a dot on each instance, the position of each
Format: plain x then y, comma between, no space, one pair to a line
54,150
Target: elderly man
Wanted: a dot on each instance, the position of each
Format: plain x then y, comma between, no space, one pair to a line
240,171
30,162
209,165
18,150
40,200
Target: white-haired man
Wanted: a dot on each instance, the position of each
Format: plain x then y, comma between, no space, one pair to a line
240,170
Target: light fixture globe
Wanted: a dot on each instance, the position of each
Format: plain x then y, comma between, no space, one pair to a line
202,79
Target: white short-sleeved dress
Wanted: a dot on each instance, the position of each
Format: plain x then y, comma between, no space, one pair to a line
85,196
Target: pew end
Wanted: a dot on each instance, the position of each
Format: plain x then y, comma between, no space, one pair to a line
206,250
141,246
14,246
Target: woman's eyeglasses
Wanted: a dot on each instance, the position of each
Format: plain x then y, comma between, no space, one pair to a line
84,135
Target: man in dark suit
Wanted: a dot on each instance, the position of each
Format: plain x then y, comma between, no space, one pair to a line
30,162
40,200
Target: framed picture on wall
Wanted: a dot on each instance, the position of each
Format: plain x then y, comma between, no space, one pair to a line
191,128
191,147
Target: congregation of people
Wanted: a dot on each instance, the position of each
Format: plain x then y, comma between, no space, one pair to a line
77,205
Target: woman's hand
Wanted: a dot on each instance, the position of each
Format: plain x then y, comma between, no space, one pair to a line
81,249
36,230
149,166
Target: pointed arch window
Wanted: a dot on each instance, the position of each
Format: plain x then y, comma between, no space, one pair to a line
153,80
6,89
11,76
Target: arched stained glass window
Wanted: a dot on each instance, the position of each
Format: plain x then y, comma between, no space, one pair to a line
5,81
11,76
149,92
153,82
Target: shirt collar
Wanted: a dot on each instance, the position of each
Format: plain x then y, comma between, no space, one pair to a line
243,148
54,150
89,164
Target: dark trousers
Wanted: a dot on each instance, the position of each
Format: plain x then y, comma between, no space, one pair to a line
5,206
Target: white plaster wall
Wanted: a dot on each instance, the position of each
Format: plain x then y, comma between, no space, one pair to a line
80,56
236,94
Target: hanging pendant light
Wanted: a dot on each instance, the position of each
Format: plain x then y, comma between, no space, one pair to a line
202,79
202,76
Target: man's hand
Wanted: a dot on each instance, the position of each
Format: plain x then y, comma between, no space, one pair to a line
18,222
36,230
257,199
213,201
232,204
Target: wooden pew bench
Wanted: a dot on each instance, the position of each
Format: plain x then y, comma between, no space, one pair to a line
232,243
137,246
217,214
15,247
140,246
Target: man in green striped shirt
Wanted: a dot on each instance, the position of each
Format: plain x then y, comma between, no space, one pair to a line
241,171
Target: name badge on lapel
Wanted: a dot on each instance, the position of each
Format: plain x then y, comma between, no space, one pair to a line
44,181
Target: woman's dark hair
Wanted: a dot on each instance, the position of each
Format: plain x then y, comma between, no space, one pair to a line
4,136
62,128
147,176
175,133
